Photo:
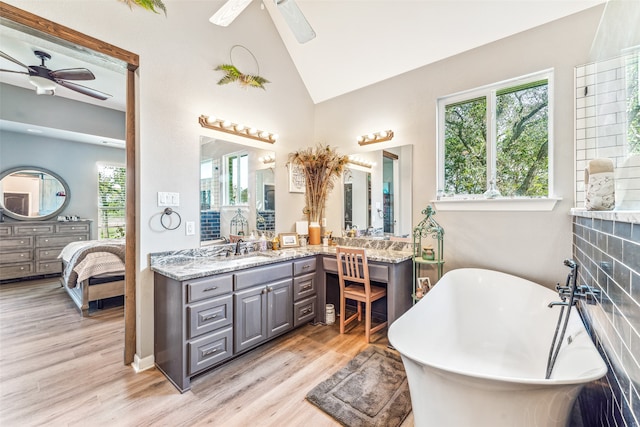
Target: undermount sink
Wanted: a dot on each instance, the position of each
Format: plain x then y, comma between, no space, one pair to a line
246,259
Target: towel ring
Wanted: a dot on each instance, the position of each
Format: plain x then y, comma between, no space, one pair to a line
168,212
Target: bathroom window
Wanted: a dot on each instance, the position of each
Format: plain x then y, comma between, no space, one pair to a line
237,179
111,201
495,141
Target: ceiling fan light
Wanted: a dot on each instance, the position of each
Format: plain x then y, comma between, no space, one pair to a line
228,12
42,84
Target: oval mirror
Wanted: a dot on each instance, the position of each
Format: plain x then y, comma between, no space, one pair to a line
32,193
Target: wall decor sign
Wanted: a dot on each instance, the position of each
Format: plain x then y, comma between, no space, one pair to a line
296,178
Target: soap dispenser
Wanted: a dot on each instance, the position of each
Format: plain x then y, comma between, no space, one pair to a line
263,243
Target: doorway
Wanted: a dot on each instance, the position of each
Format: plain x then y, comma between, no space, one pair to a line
55,33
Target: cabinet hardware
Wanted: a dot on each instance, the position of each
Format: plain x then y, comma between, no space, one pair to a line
305,288
269,289
304,267
213,316
213,288
208,352
306,311
264,291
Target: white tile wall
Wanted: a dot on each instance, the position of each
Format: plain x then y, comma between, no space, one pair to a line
601,124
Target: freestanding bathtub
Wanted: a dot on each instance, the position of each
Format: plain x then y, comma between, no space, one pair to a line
475,350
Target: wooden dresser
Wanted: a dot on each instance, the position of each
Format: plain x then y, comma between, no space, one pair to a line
31,248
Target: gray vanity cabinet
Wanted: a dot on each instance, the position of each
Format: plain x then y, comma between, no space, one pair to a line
304,291
193,325
263,305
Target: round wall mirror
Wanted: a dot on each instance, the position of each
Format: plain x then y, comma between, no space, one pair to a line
31,193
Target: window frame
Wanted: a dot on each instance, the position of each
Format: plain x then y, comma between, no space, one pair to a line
100,208
489,92
227,177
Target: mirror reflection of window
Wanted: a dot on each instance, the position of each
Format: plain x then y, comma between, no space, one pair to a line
237,179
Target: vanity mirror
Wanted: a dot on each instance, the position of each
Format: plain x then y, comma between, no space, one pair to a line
235,179
377,199
32,193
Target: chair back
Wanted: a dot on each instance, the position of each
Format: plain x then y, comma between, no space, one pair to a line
353,267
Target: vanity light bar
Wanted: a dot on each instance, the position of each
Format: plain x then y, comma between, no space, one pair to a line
267,159
359,162
236,129
385,135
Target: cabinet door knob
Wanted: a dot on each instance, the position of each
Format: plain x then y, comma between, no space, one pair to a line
269,289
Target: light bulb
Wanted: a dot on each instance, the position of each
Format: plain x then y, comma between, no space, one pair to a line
211,119
383,134
226,123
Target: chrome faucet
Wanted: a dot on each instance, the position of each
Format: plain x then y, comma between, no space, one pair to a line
239,247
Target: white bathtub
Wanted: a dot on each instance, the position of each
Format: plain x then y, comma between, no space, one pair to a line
475,350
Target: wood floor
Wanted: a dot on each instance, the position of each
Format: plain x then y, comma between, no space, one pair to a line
59,369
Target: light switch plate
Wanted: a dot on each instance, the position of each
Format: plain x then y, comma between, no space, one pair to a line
190,228
168,199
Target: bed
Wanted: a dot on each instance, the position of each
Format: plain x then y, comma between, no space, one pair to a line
92,271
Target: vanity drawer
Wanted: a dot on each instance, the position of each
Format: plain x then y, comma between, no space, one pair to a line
49,267
16,270
49,241
31,230
18,256
17,242
304,311
377,273
210,349
303,266
48,253
304,286
210,315
261,275
72,228
199,289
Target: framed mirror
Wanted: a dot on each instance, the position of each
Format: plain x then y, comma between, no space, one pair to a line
235,179
377,189
32,193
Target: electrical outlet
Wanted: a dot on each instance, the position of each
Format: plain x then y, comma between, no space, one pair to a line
324,222
190,228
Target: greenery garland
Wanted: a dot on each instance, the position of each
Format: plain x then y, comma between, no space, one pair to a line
232,74
148,5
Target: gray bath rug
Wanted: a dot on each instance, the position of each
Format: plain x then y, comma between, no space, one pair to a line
371,390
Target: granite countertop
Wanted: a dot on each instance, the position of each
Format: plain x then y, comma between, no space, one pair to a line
195,263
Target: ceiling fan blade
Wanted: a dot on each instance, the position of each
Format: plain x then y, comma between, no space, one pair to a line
13,71
15,61
84,90
228,12
296,20
73,74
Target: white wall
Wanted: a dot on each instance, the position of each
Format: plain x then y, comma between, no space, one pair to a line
176,84
529,244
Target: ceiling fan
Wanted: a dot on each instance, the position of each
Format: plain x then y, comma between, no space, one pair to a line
289,9
46,80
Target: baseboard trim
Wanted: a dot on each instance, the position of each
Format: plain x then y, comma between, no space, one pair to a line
142,364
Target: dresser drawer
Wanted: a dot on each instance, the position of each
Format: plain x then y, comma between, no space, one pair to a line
6,230
32,230
52,241
16,270
18,256
49,267
304,311
16,242
304,286
72,228
265,274
210,349
209,315
48,253
199,289
304,266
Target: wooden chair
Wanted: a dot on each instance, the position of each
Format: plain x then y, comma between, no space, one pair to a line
353,275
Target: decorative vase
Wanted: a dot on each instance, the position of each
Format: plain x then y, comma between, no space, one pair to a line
314,233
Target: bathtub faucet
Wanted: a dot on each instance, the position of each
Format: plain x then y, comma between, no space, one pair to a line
572,291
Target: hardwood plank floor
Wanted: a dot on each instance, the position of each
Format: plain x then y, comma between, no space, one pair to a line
60,369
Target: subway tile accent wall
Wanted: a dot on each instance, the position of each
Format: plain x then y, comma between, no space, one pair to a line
209,225
609,256
269,223
601,125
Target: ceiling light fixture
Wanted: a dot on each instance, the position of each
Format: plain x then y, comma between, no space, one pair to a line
212,122
385,135
43,86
